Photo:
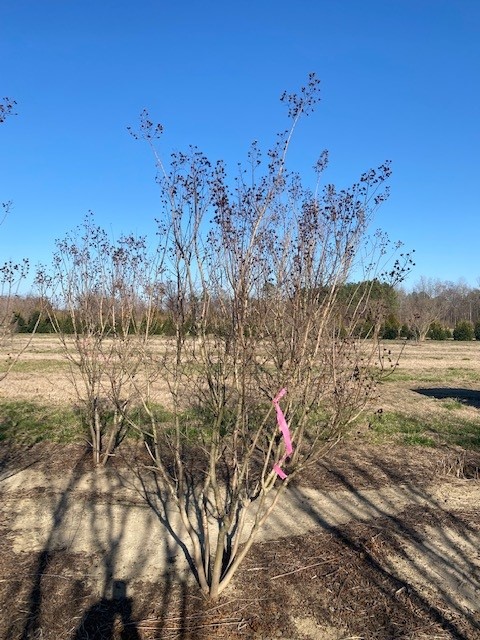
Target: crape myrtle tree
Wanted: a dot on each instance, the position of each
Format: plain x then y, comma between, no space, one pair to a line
266,370
12,273
98,297
7,108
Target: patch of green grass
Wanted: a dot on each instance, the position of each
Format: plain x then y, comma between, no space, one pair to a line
452,404
463,433
452,374
409,376
29,422
408,430
426,432
143,421
418,440
32,366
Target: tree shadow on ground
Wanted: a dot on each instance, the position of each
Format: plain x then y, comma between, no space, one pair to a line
35,597
64,591
15,458
468,397
354,583
419,559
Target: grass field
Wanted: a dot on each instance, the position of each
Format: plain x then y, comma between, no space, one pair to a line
430,399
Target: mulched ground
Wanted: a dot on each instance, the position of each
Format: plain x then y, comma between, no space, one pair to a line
339,578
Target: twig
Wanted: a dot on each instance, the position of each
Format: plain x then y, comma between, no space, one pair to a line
206,612
308,566
219,623
43,575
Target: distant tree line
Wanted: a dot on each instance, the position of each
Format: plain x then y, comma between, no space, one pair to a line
439,310
31,316
432,310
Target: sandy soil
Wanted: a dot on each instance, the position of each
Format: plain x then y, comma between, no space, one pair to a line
424,535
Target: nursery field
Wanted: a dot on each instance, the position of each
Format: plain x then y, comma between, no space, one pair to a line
379,541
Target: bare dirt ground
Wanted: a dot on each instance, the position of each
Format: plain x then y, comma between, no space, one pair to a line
380,541
374,545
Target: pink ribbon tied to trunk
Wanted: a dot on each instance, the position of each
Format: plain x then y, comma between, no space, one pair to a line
282,423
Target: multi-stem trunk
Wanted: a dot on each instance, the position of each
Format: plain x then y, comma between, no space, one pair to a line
96,430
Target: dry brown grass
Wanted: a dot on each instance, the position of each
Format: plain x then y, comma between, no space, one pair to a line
43,375
428,367
436,358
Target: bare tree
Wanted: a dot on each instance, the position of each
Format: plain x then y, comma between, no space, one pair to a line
98,297
461,302
12,273
265,371
424,305
7,107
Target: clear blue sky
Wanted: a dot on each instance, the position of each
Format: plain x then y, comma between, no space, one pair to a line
400,81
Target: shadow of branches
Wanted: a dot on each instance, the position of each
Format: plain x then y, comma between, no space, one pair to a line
81,558
378,553
392,561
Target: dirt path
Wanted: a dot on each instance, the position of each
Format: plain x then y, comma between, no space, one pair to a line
103,514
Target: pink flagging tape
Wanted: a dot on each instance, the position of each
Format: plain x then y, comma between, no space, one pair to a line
282,423
281,474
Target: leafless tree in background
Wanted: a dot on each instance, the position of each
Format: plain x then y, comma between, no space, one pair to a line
426,304
99,300
12,274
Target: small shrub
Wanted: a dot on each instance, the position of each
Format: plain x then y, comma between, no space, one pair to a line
463,331
391,328
36,322
406,332
438,332
476,330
